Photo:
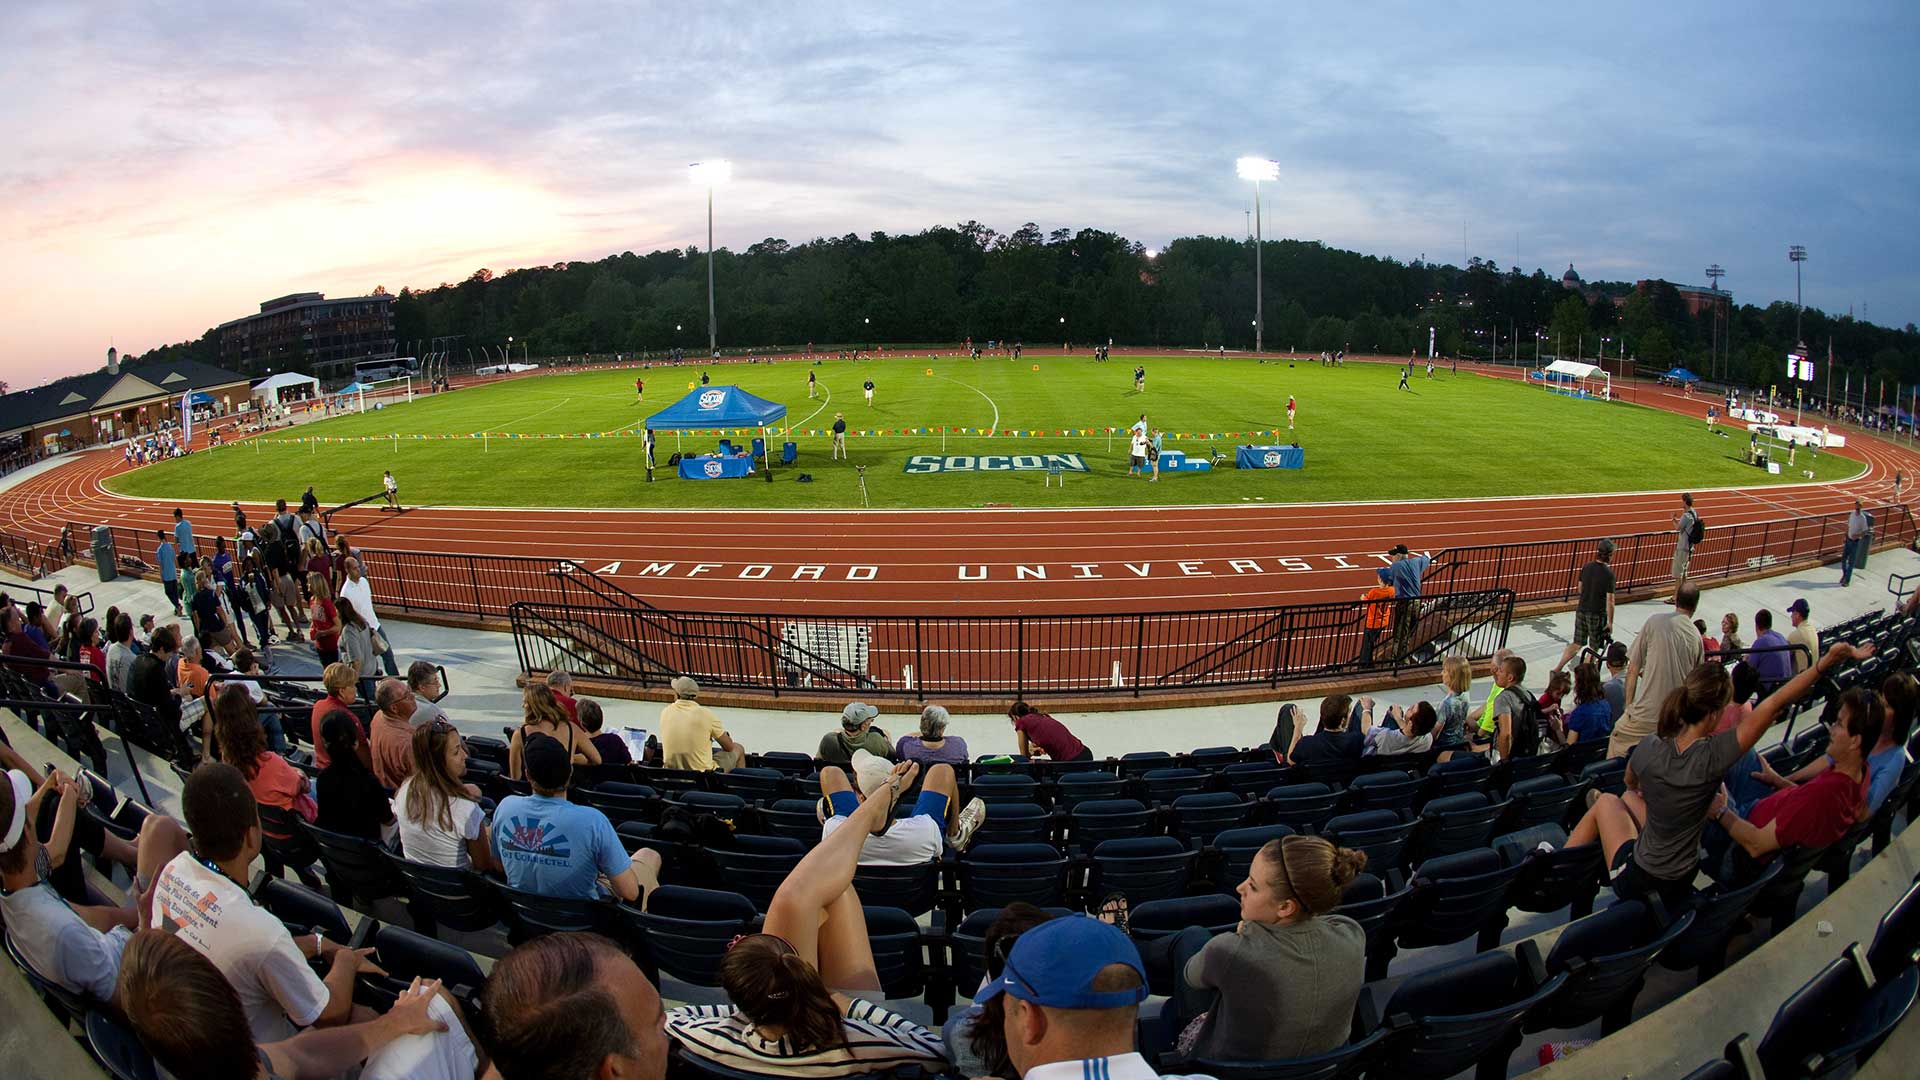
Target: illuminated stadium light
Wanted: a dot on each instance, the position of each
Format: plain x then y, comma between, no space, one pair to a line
1258,169
710,174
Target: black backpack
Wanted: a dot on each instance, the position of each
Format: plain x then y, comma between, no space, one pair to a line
1699,530
1527,727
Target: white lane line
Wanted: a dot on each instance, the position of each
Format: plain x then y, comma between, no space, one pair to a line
531,415
993,427
823,404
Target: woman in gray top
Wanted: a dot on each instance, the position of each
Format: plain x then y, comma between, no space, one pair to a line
1286,979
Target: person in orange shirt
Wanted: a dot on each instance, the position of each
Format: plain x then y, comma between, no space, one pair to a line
1378,616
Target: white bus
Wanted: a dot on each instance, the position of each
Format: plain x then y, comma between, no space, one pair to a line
371,371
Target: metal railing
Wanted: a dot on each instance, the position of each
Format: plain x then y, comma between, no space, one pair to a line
1549,570
31,557
1131,654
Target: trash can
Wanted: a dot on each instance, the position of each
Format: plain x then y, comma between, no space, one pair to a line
104,556
1860,557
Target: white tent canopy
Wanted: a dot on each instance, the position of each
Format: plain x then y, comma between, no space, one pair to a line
1573,368
268,391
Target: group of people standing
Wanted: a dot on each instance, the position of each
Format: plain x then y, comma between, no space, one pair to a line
1145,445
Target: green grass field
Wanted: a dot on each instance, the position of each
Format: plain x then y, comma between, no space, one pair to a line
1453,436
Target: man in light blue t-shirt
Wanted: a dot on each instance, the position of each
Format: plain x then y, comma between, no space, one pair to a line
556,848
168,561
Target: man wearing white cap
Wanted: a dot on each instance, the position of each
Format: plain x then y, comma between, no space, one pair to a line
909,841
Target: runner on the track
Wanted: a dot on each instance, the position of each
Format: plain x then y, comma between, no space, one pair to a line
392,489
1139,378
813,385
1403,379
639,390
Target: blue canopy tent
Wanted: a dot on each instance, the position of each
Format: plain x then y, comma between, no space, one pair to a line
719,407
200,397
1681,374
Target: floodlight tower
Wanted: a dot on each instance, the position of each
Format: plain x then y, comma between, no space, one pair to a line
1256,170
1797,254
1714,274
710,175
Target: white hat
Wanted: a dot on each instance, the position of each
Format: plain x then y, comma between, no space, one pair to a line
870,773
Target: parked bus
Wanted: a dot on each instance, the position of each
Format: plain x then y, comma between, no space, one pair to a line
369,371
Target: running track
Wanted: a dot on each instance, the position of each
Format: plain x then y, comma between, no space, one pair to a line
952,562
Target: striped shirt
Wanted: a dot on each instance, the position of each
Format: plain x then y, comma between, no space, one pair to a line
877,1041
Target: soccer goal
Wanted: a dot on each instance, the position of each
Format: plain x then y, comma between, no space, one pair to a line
384,392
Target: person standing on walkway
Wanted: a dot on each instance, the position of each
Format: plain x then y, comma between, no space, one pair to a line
355,587
169,563
1290,408
1685,525
1666,650
183,538
839,437
1593,619
1859,524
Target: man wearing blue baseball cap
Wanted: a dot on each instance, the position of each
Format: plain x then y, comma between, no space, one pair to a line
1074,988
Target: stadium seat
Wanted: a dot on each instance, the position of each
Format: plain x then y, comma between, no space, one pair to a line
914,888
1609,776
899,957
756,865
726,806
672,783
1606,958
1234,850
1198,818
968,940
1513,770
1837,860
787,763
1436,1039
996,788
1779,902
1372,900
1896,800
797,819
1574,759
1390,789
1565,877
530,915
357,869
1896,941
1383,834
756,785
621,802
1334,774
445,897
1738,1063
1461,773
1457,823
1141,762
684,932
1016,823
1074,788
1249,779
1836,1020
1165,785
284,845
1302,807
1717,911
489,749
1452,898
1215,758
1347,1063
302,910
1141,868
995,875
1159,918
117,1048
406,955
65,1004
1542,800
1098,820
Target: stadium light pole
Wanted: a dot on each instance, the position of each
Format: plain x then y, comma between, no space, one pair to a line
1797,254
1256,170
710,175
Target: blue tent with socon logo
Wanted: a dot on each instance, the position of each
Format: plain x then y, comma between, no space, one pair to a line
717,407
1681,374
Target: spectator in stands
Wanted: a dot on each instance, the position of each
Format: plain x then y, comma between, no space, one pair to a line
1592,717
1887,757
183,539
932,746
1286,726
1651,835
423,678
856,733
1553,698
355,587
543,716
87,647
910,841
974,1037
1376,617
1683,526
244,663
324,617
612,746
318,561
208,613
1406,731
1769,656
1403,571
1746,686
193,682
1804,634
391,733
189,1016
253,594
356,646
1819,811
553,847
42,626
341,694
147,680
689,731
168,560
1593,618
1073,987
441,823
20,642
1730,633
1340,736
1509,726
120,654
74,946
1456,675
243,745
201,896
789,984
574,1005
279,558
561,683
1040,734
351,798
1284,982
1665,650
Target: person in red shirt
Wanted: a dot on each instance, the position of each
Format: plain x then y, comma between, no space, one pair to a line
1378,615
1042,734
1820,811
561,684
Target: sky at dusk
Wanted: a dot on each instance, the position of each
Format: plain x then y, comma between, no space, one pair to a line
169,166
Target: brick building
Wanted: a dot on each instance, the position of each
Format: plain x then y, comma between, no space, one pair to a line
308,332
112,403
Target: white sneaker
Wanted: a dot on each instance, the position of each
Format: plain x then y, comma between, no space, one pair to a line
972,816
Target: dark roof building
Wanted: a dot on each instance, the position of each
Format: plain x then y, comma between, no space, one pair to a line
111,403
308,332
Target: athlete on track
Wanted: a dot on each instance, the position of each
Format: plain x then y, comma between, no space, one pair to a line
1139,379
639,390
869,389
813,385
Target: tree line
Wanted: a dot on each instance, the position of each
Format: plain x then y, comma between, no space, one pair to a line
949,283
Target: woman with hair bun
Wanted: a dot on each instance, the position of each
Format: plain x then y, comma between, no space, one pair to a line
790,985
1651,834
1285,981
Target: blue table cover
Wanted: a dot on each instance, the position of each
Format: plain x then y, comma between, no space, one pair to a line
1270,457
713,468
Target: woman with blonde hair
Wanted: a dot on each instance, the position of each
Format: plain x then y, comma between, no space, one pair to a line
318,561
441,821
544,716
1456,674
1284,982
323,616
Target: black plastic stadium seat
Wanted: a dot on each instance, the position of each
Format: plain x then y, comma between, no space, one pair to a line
1438,1039
1142,868
1836,1020
1606,957
995,875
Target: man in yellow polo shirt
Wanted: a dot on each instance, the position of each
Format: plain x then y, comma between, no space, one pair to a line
689,730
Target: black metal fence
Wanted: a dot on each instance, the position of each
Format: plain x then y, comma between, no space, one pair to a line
33,558
1127,654
1549,570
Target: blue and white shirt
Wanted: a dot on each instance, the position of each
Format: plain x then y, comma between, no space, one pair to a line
1115,1067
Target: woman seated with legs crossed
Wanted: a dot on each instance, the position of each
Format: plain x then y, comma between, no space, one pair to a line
791,985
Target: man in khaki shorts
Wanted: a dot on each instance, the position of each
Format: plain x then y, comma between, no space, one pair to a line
1667,649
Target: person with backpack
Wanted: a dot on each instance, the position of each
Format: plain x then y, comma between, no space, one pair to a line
1511,724
1689,528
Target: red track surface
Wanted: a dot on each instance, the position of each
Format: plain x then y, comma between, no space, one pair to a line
991,561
